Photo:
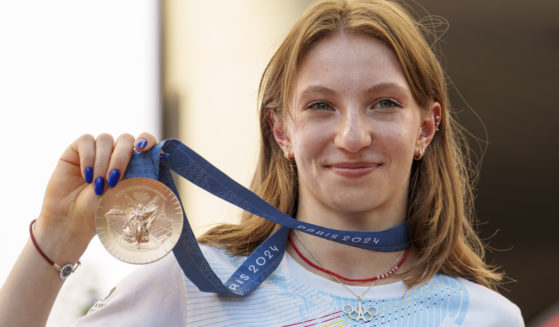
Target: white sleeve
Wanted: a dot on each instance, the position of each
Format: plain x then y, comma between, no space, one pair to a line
152,295
491,309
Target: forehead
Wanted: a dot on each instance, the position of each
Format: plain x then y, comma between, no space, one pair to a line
349,62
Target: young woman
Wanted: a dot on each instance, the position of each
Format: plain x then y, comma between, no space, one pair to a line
357,135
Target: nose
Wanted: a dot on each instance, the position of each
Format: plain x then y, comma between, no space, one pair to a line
353,134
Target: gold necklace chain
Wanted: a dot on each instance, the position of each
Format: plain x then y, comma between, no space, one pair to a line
359,312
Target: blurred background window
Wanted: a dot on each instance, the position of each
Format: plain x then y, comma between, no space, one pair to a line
68,68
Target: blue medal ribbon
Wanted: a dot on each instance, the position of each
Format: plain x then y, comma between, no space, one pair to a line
264,260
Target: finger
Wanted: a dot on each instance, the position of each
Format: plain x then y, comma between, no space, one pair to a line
145,141
80,154
85,146
123,149
103,149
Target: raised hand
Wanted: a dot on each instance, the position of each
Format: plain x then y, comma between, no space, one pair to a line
66,223
84,171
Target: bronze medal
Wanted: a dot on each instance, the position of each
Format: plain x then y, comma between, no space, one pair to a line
139,221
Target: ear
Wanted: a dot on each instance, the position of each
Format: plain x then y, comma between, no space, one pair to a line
429,126
278,127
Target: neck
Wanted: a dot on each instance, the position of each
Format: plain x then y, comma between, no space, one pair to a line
315,263
342,217
353,269
348,261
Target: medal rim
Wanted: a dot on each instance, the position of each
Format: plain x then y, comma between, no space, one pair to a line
148,255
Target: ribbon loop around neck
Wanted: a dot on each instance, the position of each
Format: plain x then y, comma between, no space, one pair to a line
264,260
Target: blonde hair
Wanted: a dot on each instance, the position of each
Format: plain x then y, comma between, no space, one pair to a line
440,201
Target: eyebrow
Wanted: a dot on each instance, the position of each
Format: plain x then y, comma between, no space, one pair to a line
317,89
388,86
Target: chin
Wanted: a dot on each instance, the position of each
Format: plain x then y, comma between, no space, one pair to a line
349,205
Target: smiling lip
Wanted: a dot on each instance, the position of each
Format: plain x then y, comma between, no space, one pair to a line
353,169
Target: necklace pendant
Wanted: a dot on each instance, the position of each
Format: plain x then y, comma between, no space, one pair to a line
359,312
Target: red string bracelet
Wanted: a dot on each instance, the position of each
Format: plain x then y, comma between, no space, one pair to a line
372,279
65,270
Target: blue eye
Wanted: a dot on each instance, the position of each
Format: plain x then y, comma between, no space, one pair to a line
387,103
320,106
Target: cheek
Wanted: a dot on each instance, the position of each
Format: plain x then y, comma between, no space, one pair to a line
308,138
398,140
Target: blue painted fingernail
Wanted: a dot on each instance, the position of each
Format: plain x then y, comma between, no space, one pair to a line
88,175
99,185
164,155
114,176
142,143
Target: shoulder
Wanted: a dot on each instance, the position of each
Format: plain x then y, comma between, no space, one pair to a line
152,295
491,306
221,261
480,305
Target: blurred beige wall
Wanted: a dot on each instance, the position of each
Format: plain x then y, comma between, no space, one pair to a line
214,53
